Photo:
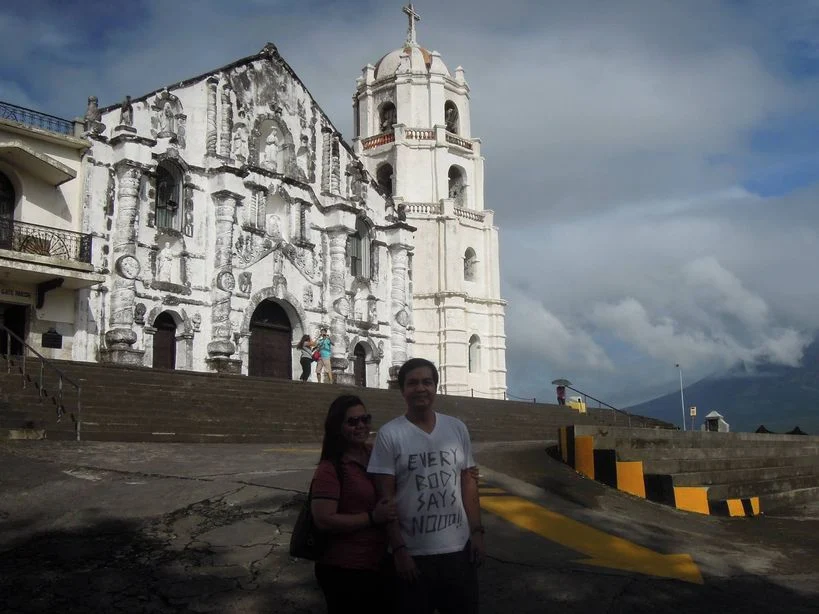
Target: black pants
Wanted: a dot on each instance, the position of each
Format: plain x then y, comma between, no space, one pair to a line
448,582
306,366
355,591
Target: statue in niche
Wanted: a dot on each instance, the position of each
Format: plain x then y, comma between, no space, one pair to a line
373,312
164,263
93,116
245,282
126,113
240,144
166,120
402,212
388,118
187,228
273,226
271,152
303,156
451,118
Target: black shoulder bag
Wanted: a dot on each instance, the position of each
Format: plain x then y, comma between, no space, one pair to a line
307,541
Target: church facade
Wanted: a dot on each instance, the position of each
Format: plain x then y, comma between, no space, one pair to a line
232,219
225,217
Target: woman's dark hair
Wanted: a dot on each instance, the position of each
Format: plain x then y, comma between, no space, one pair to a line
304,339
334,443
411,365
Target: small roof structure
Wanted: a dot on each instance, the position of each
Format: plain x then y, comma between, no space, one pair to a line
796,431
762,429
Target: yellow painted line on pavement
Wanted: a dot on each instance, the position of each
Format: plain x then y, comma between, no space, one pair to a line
604,550
305,450
491,491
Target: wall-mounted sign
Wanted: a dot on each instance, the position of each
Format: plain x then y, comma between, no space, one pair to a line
16,295
693,410
52,339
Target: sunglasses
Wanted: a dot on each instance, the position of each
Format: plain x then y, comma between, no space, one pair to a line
364,419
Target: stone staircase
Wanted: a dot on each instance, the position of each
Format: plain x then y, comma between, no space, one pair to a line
733,474
143,404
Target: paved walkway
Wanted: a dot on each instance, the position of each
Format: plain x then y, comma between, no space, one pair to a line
106,527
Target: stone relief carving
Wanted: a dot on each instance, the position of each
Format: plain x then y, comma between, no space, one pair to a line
307,298
139,313
187,226
197,322
167,120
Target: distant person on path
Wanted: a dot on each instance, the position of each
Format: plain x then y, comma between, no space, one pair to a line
350,571
561,395
423,459
305,347
324,345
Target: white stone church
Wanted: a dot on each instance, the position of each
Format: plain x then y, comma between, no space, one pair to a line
222,218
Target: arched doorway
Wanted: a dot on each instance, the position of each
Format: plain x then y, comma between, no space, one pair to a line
269,351
360,365
164,342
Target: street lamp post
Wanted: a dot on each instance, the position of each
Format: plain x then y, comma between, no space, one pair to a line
682,398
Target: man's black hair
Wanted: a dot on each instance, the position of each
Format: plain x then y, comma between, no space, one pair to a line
411,365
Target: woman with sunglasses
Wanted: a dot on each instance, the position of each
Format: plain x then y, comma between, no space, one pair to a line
344,505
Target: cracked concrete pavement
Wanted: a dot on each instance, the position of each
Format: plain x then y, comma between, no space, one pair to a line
109,527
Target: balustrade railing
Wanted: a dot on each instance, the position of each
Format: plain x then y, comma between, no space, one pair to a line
456,140
424,208
44,241
475,216
420,134
12,344
36,119
378,140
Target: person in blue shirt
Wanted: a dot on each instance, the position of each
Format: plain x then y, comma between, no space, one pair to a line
324,345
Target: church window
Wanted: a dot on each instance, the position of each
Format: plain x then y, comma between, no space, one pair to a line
384,176
470,264
474,354
457,186
358,250
168,195
387,116
451,117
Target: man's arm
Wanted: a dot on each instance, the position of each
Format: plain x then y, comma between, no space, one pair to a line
472,506
404,563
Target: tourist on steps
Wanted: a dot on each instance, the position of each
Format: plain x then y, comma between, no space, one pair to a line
561,395
305,347
350,572
423,459
324,345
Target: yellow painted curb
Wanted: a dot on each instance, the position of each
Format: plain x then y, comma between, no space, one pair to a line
755,505
584,455
735,507
630,478
692,499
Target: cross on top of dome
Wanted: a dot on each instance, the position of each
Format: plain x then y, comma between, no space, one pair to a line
413,16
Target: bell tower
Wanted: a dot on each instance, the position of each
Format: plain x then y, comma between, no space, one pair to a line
413,130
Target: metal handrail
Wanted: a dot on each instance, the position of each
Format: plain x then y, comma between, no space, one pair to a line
43,363
628,415
37,119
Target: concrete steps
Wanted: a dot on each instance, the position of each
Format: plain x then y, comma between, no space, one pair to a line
142,404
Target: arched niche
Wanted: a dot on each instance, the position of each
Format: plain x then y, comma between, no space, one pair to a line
384,176
457,185
272,146
387,116
452,117
474,354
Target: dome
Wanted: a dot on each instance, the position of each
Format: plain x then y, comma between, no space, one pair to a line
420,60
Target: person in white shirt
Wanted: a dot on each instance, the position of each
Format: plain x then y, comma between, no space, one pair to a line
423,460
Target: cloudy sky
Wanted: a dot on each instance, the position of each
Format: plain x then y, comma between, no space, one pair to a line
653,164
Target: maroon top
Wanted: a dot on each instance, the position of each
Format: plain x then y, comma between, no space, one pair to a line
362,549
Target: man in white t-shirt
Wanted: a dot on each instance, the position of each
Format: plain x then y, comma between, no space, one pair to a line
423,460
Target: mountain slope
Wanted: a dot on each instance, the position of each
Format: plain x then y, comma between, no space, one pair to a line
776,396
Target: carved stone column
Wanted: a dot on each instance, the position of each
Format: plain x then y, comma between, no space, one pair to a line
221,348
338,298
227,122
210,138
398,308
327,158
120,337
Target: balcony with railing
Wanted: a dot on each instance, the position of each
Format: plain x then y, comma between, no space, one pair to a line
36,119
38,240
